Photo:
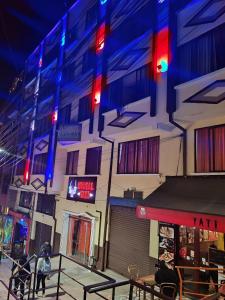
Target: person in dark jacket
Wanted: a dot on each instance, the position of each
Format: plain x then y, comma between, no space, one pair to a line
166,275
21,275
46,249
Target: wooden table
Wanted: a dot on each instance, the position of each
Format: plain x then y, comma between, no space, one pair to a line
148,280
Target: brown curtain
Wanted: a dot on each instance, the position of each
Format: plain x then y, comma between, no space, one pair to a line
210,149
219,148
140,156
202,150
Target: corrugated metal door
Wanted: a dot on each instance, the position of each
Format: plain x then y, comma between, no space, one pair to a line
129,242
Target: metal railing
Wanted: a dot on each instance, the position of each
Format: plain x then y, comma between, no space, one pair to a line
104,284
185,291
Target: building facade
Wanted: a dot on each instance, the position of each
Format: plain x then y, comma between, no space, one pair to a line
120,97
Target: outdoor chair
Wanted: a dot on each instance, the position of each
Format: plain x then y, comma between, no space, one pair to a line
168,289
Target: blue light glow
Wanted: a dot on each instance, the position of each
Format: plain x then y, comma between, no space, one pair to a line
103,2
63,41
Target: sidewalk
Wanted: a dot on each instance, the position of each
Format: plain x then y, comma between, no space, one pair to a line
80,274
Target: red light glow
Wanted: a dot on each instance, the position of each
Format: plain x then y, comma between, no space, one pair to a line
54,117
26,171
161,52
86,186
100,38
97,91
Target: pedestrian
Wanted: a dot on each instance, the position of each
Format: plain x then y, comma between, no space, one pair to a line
46,248
22,275
43,271
166,275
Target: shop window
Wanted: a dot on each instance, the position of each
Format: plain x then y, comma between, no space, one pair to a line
210,149
39,164
138,157
72,162
26,199
93,161
46,204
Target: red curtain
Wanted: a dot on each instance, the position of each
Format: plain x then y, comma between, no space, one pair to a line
202,150
210,149
219,148
84,237
140,156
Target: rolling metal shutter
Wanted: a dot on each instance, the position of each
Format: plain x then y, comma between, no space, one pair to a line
129,242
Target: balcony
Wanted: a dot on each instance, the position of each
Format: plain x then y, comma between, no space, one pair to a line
69,133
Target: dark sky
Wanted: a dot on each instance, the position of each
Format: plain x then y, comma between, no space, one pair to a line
23,24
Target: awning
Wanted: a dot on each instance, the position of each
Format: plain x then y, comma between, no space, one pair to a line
194,201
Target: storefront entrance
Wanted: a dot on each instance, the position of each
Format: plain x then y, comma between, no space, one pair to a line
129,242
79,236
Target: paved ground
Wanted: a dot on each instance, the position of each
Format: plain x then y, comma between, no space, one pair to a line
72,271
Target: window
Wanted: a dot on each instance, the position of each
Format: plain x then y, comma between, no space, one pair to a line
5,183
138,157
26,199
93,161
210,149
88,61
140,22
202,55
84,108
64,115
91,16
46,204
20,167
130,88
43,126
72,162
40,162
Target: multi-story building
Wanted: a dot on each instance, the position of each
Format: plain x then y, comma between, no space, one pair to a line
123,100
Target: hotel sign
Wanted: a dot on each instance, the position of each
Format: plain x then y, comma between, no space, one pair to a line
82,189
70,132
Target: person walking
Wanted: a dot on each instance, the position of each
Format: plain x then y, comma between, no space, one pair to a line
43,270
22,275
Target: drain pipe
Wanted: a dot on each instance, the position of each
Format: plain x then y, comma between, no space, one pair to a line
99,232
184,136
107,200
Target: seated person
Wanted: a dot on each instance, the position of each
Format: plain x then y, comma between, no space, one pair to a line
166,275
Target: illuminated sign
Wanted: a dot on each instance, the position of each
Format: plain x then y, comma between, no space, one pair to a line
82,189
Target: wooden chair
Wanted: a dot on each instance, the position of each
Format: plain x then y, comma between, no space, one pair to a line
168,289
133,272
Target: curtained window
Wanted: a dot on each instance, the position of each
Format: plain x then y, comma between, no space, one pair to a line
140,156
201,55
72,162
40,162
93,161
210,149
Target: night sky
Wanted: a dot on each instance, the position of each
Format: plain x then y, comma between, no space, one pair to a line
23,24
